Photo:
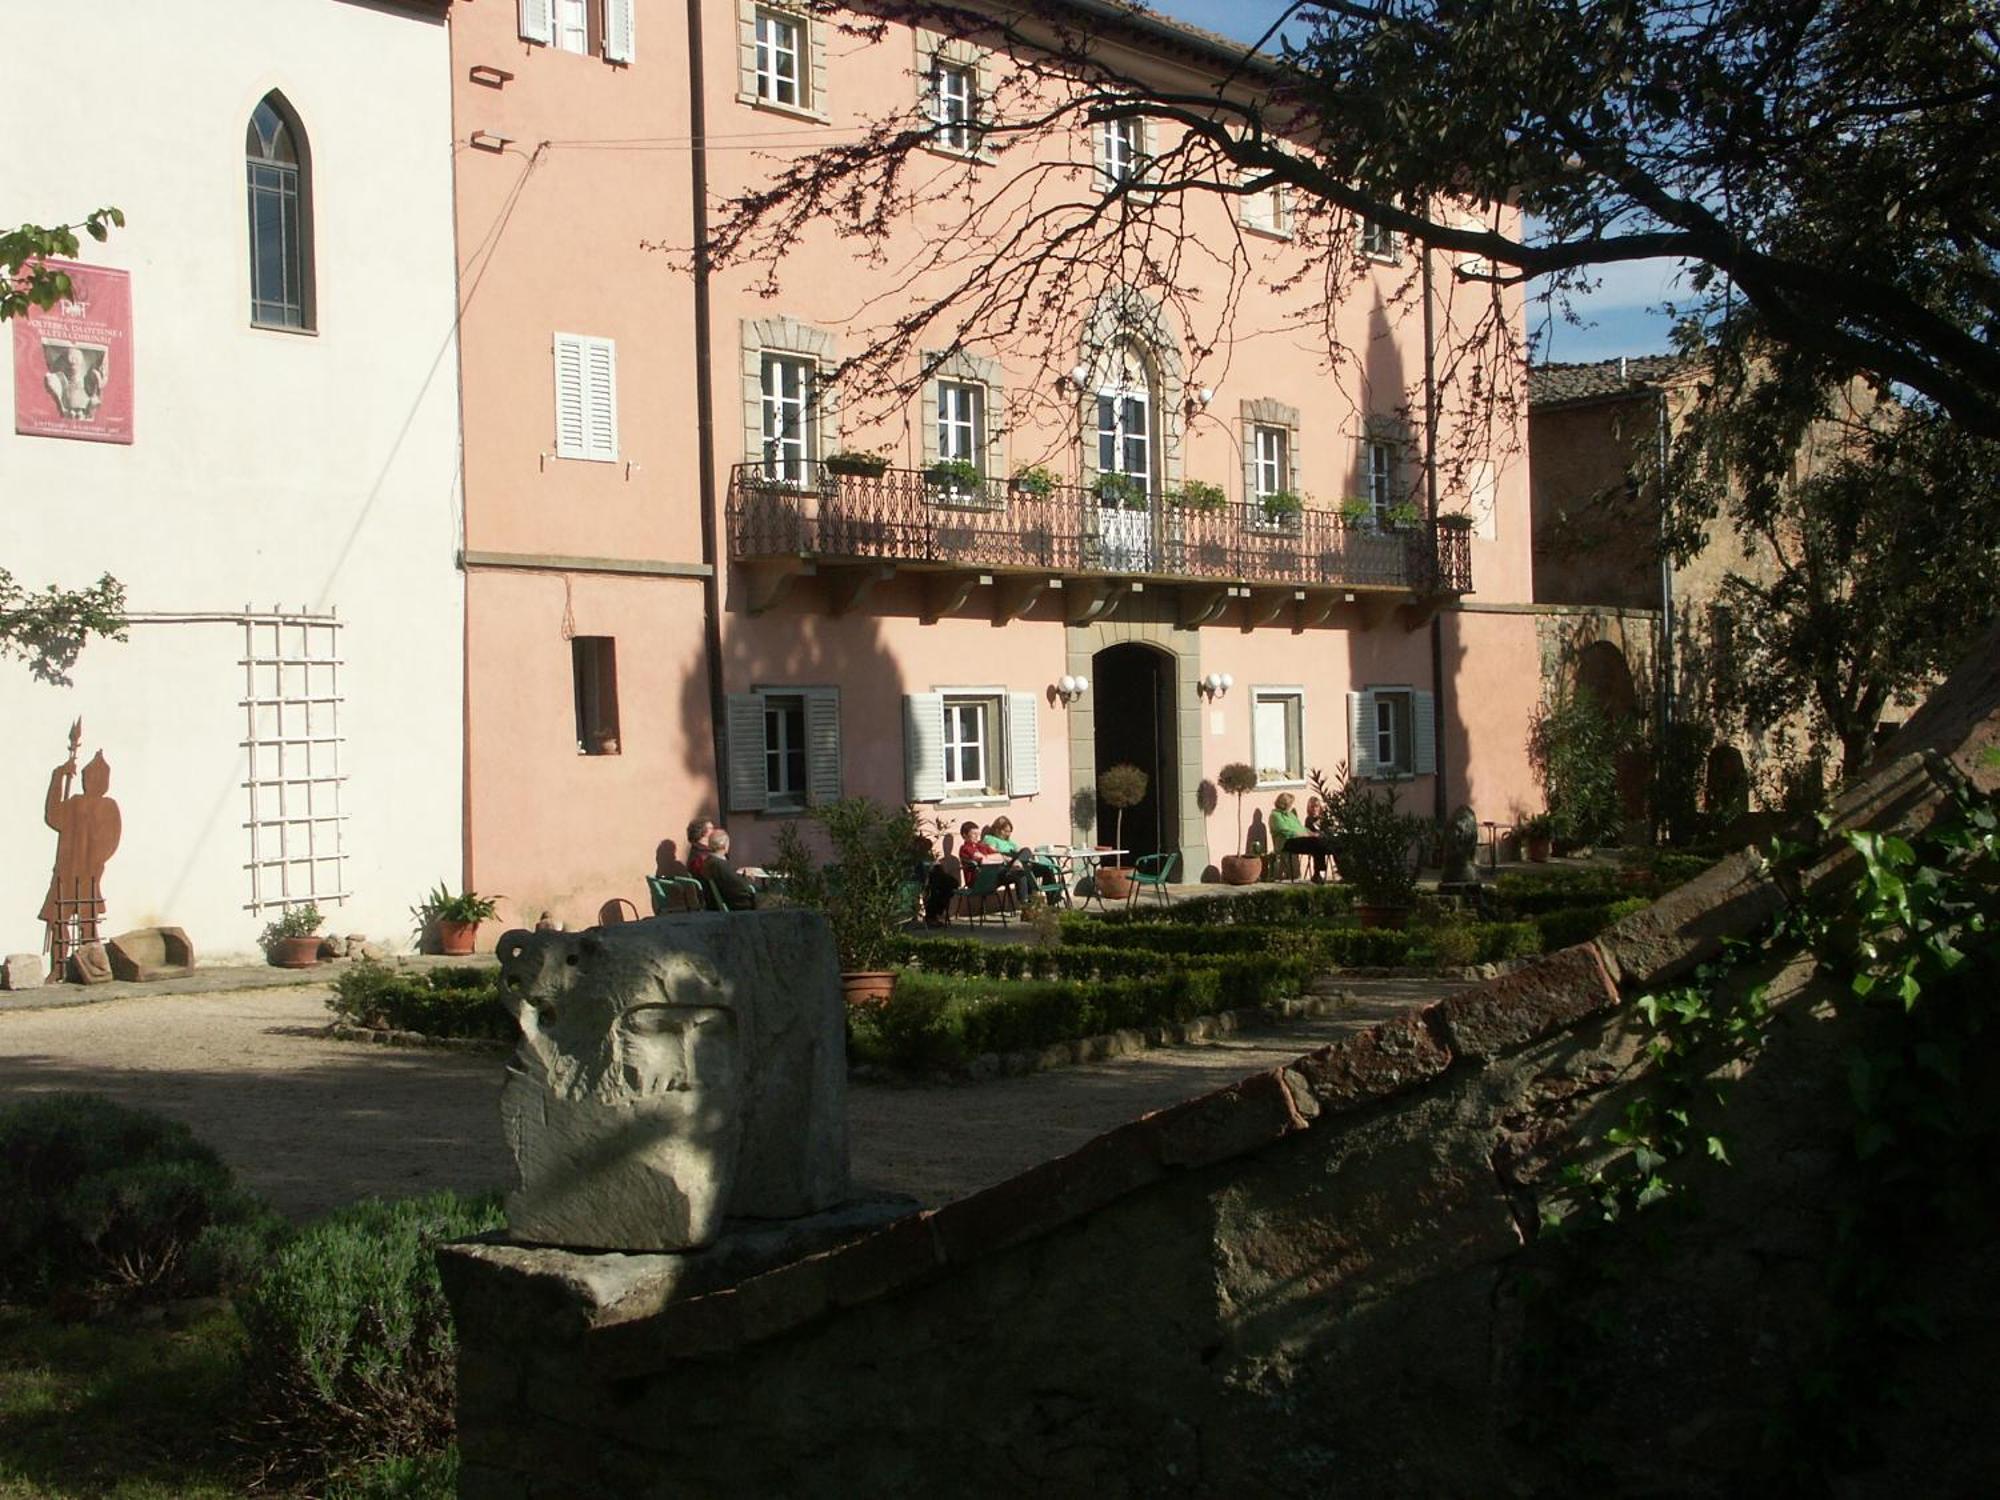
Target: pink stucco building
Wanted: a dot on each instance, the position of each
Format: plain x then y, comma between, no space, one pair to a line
676,604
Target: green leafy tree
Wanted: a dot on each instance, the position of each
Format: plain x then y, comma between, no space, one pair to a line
47,628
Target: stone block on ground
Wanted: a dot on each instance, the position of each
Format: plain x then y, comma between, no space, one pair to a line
151,953
22,971
1499,1015
672,1073
1687,926
88,964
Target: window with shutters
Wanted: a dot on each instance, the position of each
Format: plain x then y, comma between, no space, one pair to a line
586,398
1278,734
594,673
279,168
971,744
586,28
783,747
781,71
1392,732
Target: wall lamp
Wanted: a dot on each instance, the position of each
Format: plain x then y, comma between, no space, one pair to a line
1216,685
1069,688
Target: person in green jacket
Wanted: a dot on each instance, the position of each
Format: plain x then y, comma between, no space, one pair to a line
1289,835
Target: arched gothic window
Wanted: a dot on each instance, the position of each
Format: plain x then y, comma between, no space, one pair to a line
279,167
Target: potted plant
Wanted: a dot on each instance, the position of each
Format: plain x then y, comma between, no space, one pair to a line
1198,494
456,919
1372,845
856,462
1403,516
959,478
1538,837
1236,778
1119,787
1032,480
1457,520
1357,512
1119,492
863,892
292,942
1281,508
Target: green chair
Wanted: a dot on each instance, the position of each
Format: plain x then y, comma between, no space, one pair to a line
1154,872
988,881
661,888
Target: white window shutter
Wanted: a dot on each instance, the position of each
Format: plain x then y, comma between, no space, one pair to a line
538,21
1423,714
1024,746
1361,734
823,745
600,380
749,788
923,746
571,402
618,31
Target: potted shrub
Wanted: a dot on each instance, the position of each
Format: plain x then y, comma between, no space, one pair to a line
1538,837
1032,480
1457,520
1119,492
1236,778
1282,508
1372,845
1357,512
863,892
857,463
1198,494
1404,516
959,478
456,919
292,942
1120,786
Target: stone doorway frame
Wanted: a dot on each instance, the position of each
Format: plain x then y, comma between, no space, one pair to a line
1081,643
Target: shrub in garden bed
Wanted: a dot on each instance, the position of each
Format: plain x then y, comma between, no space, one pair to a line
1275,906
462,1000
1576,924
98,1200
352,1351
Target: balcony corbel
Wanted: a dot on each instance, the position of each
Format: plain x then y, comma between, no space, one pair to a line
1265,605
1201,605
848,586
946,593
1420,612
1015,595
766,579
1088,600
1314,611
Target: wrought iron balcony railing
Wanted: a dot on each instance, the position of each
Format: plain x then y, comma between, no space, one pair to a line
903,515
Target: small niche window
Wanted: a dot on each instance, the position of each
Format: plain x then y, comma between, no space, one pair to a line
954,105
594,668
280,182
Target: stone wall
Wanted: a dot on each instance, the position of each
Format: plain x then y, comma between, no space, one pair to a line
1318,1280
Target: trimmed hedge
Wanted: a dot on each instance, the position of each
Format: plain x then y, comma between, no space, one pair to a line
459,1000
101,1200
1277,905
937,1020
352,1351
1577,924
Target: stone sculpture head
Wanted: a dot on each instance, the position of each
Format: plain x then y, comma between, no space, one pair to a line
1461,842
623,1105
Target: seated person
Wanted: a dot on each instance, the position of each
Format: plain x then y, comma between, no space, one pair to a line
711,863
972,848
999,836
940,879
1296,836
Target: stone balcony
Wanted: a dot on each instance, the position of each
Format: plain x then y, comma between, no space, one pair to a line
852,530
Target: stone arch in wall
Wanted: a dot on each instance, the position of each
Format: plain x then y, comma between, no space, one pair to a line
1602,671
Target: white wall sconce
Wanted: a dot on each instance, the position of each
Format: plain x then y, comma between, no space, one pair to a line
1069,688
1216,685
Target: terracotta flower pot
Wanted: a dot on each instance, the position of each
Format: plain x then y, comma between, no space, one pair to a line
1113,883
1242,869
1539,850
296,952
868,987
456,938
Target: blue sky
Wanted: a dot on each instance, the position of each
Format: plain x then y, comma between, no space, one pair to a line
1621,316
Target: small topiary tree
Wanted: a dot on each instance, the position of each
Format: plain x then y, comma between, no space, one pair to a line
1236,778
1121,786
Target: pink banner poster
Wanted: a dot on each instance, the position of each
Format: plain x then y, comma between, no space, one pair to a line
73,361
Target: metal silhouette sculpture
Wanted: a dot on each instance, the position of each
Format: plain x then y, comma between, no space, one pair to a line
87,828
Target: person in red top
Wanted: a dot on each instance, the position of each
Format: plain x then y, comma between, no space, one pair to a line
972,849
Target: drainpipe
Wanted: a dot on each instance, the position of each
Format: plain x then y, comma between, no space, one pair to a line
1665,654
1438,808
704,397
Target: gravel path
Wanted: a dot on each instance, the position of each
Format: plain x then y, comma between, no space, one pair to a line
313,1123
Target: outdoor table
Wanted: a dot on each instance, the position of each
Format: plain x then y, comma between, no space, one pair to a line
1077,865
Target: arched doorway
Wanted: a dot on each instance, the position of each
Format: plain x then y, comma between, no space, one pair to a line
1726,795
1134,689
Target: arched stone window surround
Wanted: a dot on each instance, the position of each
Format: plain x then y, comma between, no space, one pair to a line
969,369
789,336
1130,317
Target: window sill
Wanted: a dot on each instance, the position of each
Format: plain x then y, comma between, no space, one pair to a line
978,156
1265,232
982,799
284,328
789,111
1293,784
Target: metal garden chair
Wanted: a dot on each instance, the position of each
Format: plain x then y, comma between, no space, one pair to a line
1153,872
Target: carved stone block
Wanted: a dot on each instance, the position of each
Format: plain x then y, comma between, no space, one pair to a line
22,971
671,1074
151,953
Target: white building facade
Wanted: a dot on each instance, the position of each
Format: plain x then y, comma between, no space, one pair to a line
263,450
